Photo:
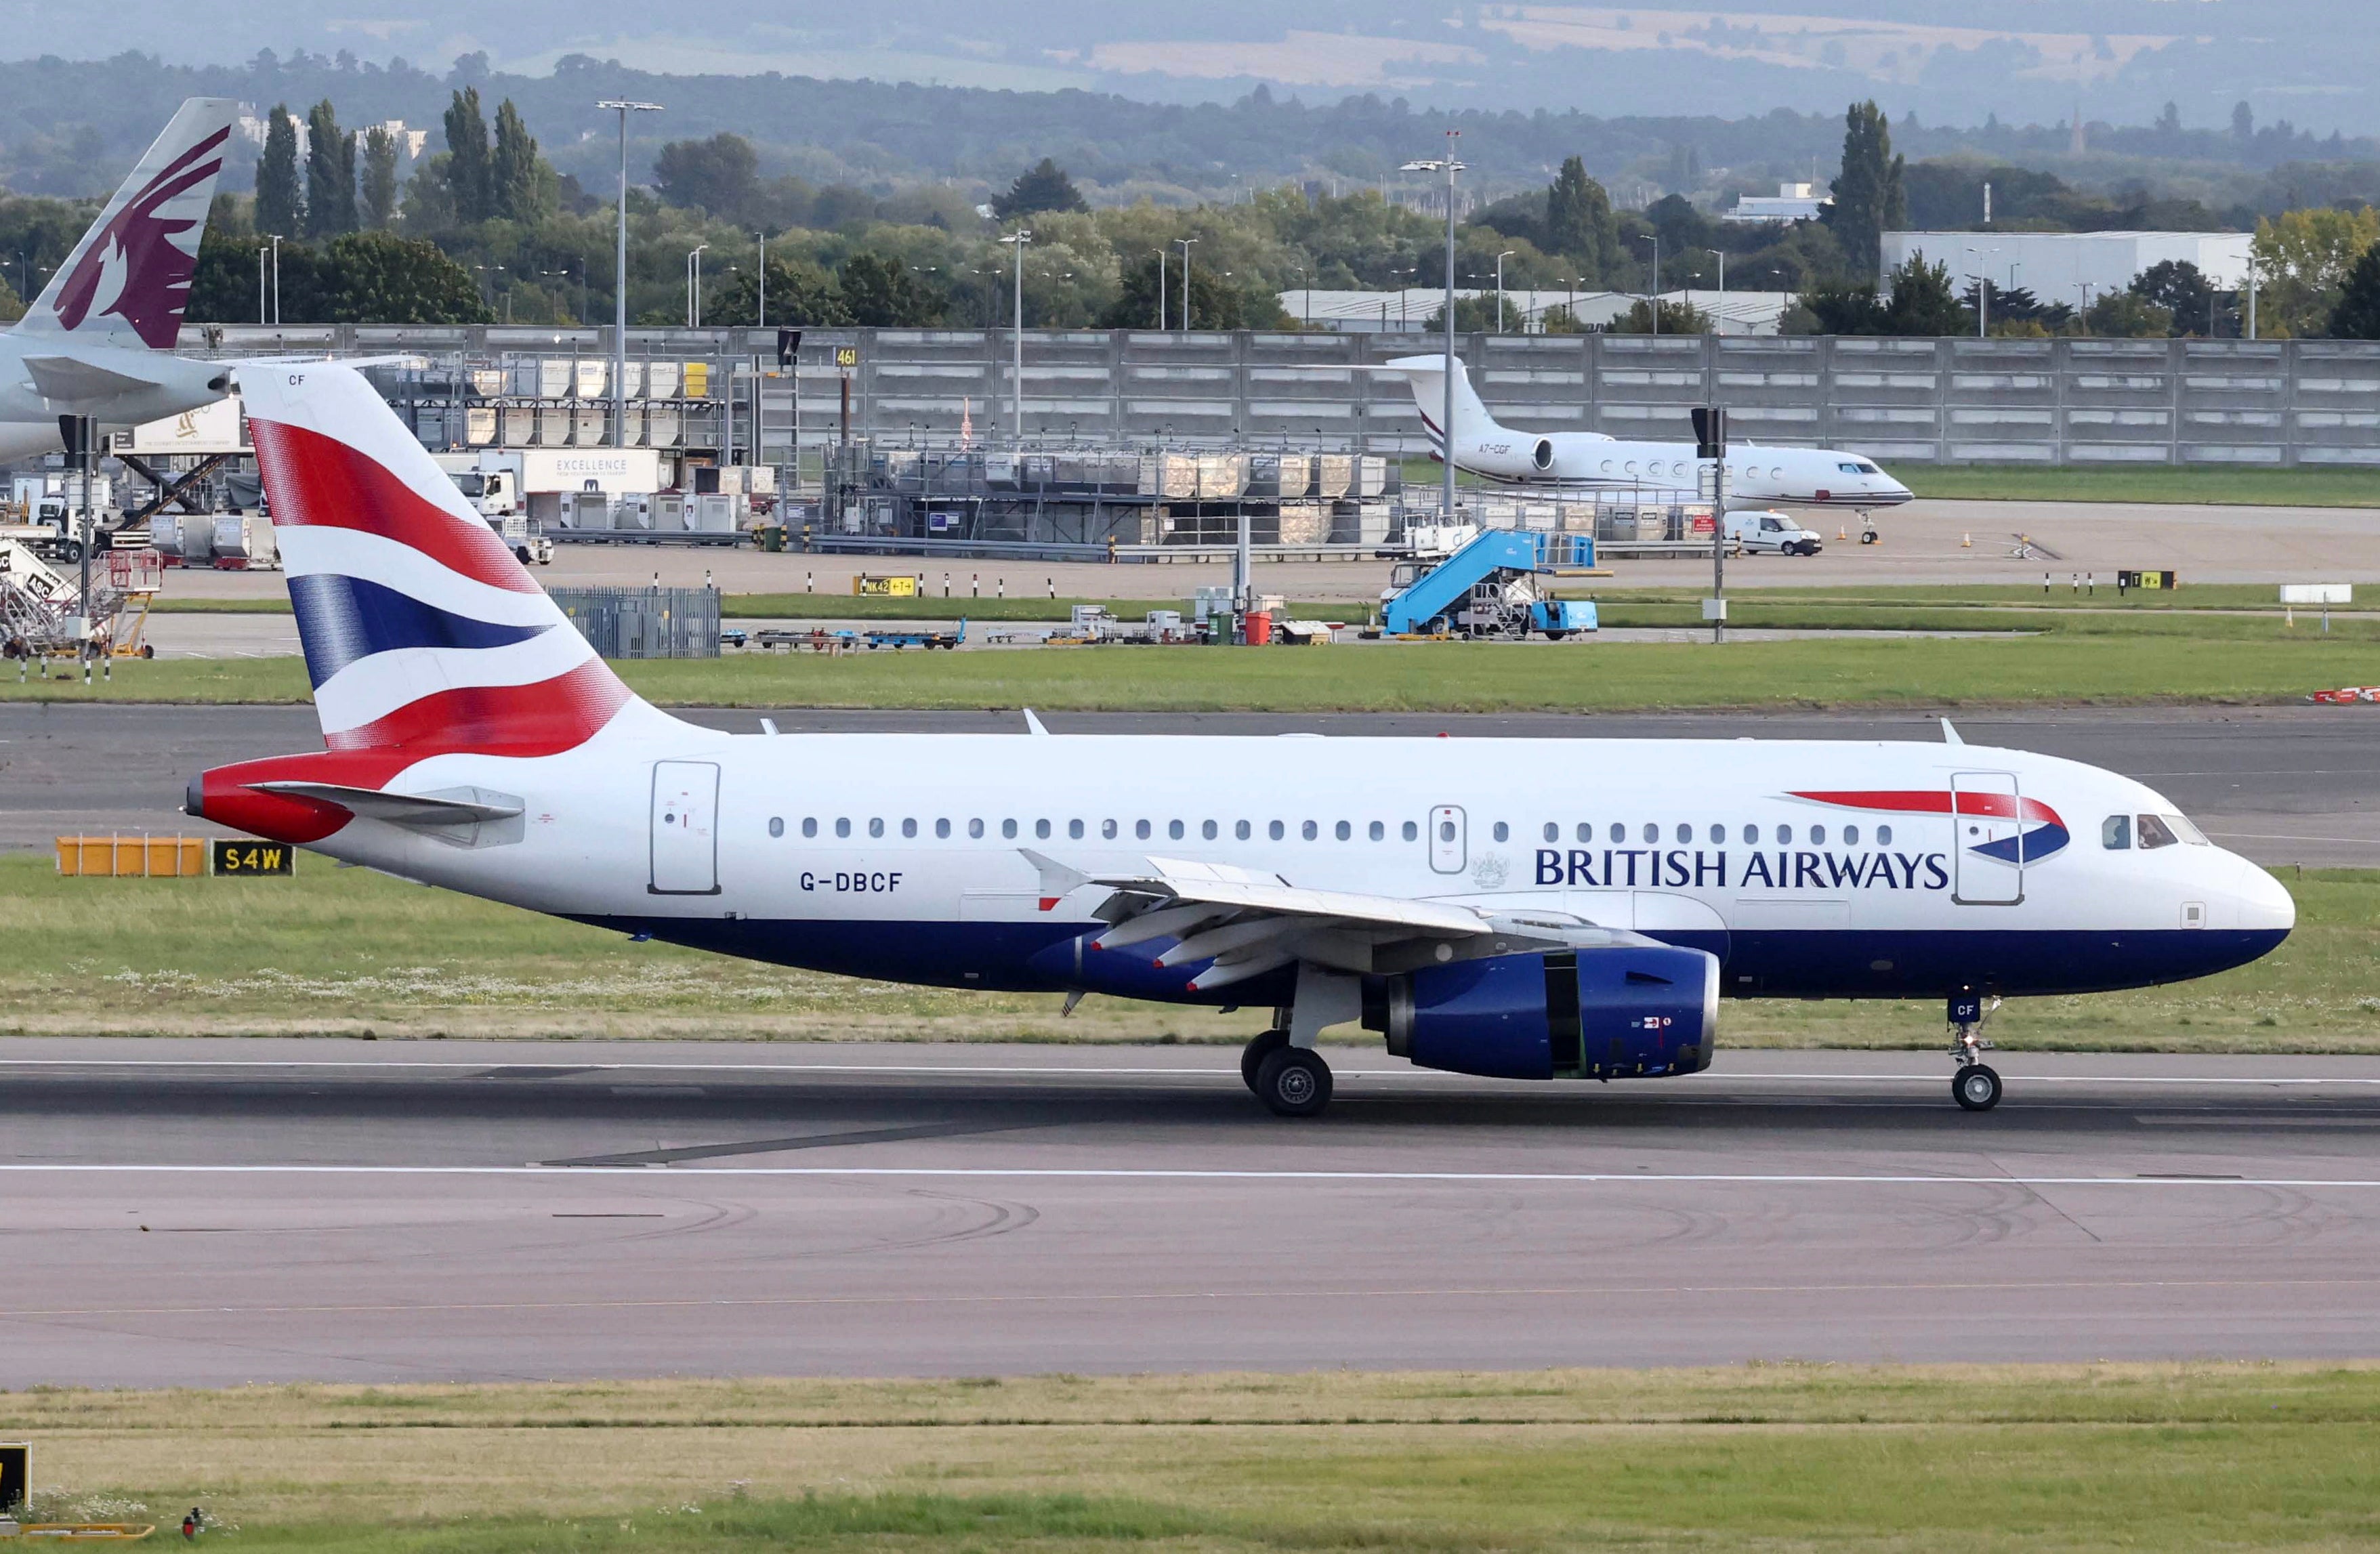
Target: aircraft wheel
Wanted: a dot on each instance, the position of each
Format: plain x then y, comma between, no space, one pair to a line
148,650
1976,1087
1264,1046
1293,1081
1869,537
520,553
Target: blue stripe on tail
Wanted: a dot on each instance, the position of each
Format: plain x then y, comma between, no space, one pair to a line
342,619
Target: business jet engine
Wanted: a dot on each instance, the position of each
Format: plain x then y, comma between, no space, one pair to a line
1508,456
1599,1013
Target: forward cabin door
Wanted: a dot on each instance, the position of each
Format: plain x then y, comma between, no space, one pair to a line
686,828
1448,844
1987,840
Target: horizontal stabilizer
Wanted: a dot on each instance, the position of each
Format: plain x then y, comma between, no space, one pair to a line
70,379
418,810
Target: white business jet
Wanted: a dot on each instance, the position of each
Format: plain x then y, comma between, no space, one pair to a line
1530,909
99,340
1758,475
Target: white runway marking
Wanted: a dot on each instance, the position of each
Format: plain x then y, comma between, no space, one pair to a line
1042,1070
1134,1173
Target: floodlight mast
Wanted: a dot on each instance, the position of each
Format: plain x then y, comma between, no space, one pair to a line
1448,166
620,277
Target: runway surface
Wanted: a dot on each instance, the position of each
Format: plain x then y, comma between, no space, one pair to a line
214,1212
2282,785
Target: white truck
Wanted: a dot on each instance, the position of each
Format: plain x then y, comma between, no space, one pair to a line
1757,531
492,483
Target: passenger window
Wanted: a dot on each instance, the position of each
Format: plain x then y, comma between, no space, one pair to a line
1240,829
1685,832
1619,832
1503,831
1411,832
1752,836
1553,831
1108,829
1173,830
809,825
1041,830
1343,831
776,825
1884,836
1008,829
1446,830
1140,830
1585,832
942,828
1817,836
876,826
843,826
2155,834
975,829
2116,832
1209,831
909,827
1309,830
1074,831
1784,836
1851,836
1652,831
1275,831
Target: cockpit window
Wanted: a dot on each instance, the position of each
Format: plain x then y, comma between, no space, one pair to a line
2154,833
1867,469
2116,832
2187,831
1849,468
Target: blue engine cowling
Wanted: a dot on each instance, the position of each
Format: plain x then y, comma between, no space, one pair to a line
1621,1010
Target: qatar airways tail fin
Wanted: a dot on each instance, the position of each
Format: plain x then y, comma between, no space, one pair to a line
1426,375
127,282
423,634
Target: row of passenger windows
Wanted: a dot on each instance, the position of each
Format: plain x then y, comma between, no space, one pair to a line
1344,831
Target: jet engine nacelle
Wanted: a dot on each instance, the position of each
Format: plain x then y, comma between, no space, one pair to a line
1508,456
1605,1013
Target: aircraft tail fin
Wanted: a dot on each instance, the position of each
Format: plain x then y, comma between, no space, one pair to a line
423,635
1426,375
127,282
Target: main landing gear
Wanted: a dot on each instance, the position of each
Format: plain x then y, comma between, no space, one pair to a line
1975,1087
1291,1080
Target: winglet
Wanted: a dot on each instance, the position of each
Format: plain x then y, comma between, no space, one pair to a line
1033,725
1950,734
1057,879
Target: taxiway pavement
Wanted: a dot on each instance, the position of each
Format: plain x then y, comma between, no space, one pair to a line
215,1212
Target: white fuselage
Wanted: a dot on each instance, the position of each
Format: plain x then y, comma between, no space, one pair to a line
29,419
1756,475
902,857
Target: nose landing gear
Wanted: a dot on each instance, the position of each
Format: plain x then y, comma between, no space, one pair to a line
1868,535
1976,1086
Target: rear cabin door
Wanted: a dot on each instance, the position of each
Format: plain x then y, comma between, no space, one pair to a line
1449,847
1987,842
686,828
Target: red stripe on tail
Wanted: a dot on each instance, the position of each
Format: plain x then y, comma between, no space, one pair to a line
543,718
318,480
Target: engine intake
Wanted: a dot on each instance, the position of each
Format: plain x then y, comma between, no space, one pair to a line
1621,1010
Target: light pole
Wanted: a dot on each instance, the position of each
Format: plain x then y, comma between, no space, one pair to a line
1161,289
1449,166
2251,297
1653,300
762,308
277,278
694,285
261,251
1499,286
1017,239
1719,254
1184,244
620,277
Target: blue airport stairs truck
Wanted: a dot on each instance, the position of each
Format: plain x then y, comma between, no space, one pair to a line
1492,587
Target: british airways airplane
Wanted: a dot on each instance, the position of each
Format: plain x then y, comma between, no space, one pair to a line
1537,909
1758,475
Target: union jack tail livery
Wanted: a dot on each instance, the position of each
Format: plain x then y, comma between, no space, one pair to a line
423,637
127,282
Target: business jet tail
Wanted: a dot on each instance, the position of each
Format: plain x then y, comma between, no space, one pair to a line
127,282
1426,375
422,636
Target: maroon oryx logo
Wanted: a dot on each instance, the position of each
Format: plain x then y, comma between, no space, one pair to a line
132,267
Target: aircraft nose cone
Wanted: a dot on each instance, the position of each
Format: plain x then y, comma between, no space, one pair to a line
2263,905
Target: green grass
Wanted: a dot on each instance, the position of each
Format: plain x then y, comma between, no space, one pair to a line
2253,488
1763,1458
2075,660
347,951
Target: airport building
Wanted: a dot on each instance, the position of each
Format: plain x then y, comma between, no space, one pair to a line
2075,268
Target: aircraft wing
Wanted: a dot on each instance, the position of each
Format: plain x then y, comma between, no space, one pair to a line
71,378
401,809
1248,923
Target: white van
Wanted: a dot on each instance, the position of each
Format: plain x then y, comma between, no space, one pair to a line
1755,532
